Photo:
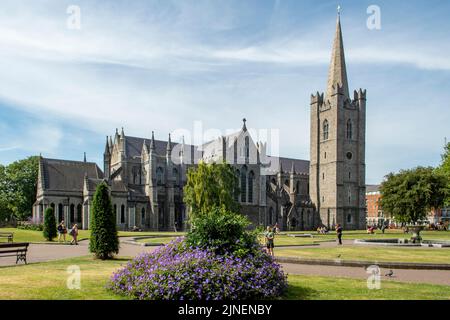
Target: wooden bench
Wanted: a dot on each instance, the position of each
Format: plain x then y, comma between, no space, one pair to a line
19,250
7,235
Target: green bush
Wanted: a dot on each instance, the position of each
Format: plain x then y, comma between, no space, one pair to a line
223,231
30,226
49,224
104,241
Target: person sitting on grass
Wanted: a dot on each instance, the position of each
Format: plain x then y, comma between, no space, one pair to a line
269,235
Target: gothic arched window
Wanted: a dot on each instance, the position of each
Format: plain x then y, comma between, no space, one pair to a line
349,129
159,175
251,178
143,216
72,213
122,214
60,212
247,147
175,175
236,191
79,213
244,184
326,128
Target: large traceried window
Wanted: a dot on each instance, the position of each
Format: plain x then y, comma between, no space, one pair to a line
251,179
159,175
175,176
236,190
349,129
247,147
244,184
326,128
143,216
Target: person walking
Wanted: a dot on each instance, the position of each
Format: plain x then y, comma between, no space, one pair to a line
269,235
339,234
74,234
61,231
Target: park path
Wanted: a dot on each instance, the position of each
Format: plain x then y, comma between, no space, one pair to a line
48,252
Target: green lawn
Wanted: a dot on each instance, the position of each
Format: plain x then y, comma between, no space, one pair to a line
157,240
48,281
389,234
329,288
366,253
36,236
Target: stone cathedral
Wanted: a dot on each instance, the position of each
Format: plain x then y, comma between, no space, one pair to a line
146,176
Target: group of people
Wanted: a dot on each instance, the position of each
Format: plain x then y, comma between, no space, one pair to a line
270,233
62,231
322,230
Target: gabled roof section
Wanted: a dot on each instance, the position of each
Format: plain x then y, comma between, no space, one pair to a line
66,175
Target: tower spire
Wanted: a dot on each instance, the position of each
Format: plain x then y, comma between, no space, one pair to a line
152,142
338,70
107,147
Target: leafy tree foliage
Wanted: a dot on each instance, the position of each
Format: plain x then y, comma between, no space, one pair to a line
209,186
410,194
444,169
49,224
18,188
104,241
223,231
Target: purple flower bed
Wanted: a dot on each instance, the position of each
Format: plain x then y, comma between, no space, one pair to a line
178,272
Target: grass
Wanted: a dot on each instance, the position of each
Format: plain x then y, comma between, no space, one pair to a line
375,254
47,281
21,235
389,234
329,288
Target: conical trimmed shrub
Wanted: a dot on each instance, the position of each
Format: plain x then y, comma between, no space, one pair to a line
49,224
104,242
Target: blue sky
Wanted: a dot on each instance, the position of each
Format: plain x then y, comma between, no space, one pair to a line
161,65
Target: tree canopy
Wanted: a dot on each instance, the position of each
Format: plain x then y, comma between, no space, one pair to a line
18,188
209,186
410,194
444,169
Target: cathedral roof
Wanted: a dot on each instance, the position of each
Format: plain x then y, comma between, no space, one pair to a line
300,166
64,175
134,146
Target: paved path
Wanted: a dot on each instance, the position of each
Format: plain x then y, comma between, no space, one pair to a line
48,252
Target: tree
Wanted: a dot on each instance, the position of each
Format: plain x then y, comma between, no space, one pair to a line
104,241
49,224
209,186
5,214
444,169
18,187
410,194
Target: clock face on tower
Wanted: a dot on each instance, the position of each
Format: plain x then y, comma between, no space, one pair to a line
349,155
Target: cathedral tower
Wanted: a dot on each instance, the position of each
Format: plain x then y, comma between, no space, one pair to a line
337,167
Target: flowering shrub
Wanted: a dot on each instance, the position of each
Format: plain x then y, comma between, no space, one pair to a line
179,272
224,232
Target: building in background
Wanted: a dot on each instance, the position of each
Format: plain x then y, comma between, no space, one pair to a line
375,215
146,176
